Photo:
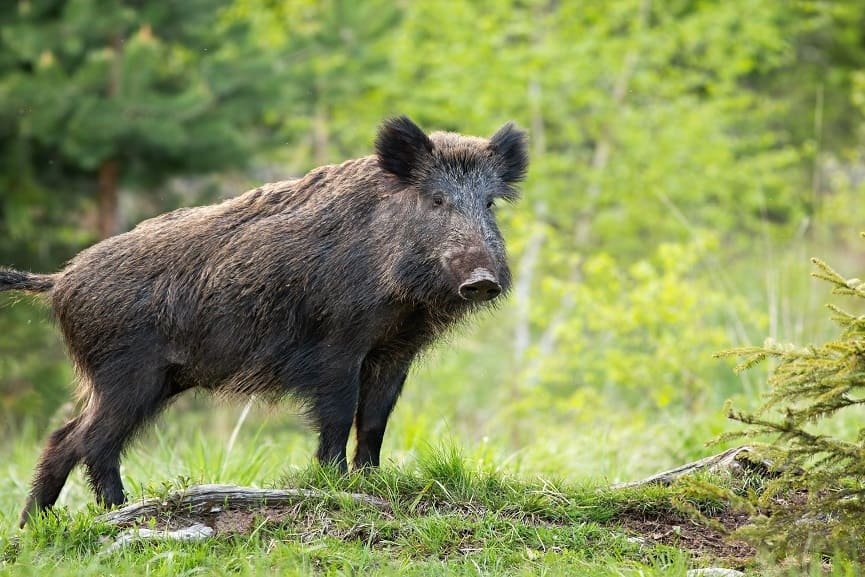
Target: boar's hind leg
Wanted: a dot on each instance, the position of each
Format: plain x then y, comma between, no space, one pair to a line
58,458
124,401
380,385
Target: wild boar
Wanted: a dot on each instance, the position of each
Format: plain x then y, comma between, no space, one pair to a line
324,288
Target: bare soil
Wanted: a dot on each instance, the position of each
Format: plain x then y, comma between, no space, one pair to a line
700,539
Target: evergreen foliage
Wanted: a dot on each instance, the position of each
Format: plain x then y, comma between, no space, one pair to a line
672,145
94,98
816,505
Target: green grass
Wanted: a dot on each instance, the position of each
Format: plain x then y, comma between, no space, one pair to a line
482,509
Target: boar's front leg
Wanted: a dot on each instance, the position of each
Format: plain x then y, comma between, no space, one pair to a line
381,381
333,410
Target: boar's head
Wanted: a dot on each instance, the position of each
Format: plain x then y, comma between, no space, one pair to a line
451,247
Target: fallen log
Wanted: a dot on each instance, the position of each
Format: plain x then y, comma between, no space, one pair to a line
211,499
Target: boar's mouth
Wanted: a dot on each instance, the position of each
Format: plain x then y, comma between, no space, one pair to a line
482,285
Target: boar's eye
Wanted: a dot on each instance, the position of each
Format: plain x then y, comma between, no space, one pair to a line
491,203
438,200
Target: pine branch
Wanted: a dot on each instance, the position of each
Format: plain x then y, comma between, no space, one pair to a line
808,387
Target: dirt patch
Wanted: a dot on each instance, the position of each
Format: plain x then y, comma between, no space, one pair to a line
245,521
298,523
701,540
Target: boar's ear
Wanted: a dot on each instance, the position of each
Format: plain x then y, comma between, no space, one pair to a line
401,147
511,145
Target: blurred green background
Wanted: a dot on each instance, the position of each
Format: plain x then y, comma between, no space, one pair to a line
688,156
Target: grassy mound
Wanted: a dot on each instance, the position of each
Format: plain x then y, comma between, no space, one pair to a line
440,518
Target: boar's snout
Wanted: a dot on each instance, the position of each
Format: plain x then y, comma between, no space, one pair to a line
482,285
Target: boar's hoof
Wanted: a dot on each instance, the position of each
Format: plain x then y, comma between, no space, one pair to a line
481,286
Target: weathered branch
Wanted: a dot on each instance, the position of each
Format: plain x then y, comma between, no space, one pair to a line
731,460
207,499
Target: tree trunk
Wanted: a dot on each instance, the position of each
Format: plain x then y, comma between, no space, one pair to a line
320,143
109,169
108,172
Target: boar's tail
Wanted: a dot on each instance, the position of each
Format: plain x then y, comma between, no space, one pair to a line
16,280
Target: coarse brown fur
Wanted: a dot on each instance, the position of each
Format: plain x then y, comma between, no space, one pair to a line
325,288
